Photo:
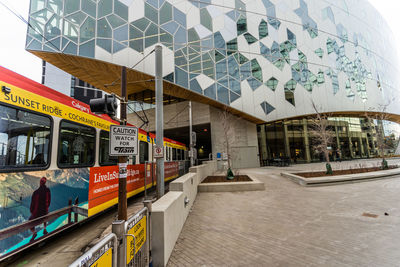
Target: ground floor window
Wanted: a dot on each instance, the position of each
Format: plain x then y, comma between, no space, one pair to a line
352,138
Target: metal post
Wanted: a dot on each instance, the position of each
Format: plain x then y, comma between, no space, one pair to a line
122,160
191,153
148,205
76,214
118,228
159,121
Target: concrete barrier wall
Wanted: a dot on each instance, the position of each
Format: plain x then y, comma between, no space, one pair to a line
169,213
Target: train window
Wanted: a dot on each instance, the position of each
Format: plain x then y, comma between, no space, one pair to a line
24,139
76,147
179,154
143,152
174,154
104,157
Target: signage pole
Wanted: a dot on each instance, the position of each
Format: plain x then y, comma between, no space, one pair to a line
159,121
122,160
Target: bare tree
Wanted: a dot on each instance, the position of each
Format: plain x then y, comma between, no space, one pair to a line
227,128
378,116
321,134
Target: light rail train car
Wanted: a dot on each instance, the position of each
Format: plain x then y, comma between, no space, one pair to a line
44,133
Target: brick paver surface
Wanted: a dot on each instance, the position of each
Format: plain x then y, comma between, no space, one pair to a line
290,225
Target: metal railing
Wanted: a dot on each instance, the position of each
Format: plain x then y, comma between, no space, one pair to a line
103,253
13,230
128,244
17,229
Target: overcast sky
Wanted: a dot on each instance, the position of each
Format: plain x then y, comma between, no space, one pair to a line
13,33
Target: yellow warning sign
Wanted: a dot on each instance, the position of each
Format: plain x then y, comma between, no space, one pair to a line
139,231
105,260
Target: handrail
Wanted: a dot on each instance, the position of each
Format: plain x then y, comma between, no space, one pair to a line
12,230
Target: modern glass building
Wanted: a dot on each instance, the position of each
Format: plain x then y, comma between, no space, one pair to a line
266,60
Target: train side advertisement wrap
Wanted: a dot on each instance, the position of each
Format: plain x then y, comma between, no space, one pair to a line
25,99
103,183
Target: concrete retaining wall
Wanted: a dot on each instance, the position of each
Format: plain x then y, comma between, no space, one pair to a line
169,213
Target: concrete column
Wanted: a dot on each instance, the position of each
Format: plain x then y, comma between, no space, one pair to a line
263,141
368,154
351,147
337,138
286,138
306,141
361,146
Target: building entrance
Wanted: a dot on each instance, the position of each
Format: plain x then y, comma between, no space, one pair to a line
203,136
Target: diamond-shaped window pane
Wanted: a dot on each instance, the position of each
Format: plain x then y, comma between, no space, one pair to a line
250,38
263,29
272,83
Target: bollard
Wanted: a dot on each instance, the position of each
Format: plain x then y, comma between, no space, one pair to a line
148,205
118,228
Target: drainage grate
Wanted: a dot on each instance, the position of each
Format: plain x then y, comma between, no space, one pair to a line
370,215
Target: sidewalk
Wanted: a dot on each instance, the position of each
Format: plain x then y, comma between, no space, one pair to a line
290,225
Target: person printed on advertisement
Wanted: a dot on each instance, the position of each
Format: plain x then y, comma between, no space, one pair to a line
40,203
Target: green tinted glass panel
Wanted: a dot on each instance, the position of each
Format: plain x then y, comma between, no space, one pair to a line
242,59
218,56
205,19
53,27
104,43
151,13
289,96
70,31
166,39
89,7
320,77
319,52
232,46
87,49
135,39
77,18
192,36
256,70
121,10
308,86
115,21
42,16
279,64
103,28
105,7
290,85
263,29
56,6
241,25
151,35
141,24
272,83
71,6
165,13
250,38
87,30
37,5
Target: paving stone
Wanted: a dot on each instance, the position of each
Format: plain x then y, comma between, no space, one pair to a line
289,225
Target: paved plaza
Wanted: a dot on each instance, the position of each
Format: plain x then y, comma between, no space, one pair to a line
291,225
